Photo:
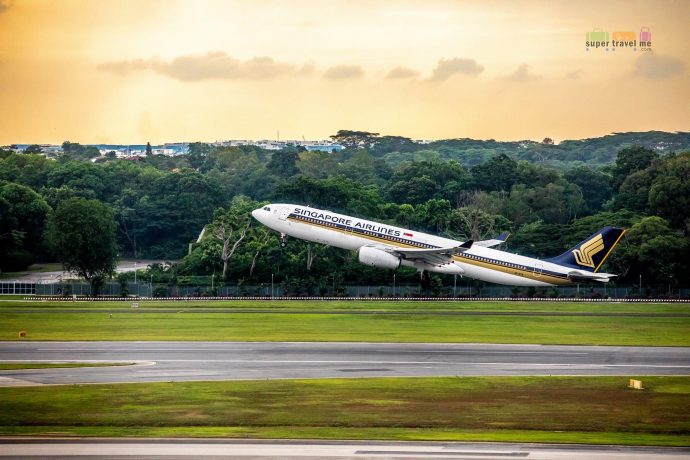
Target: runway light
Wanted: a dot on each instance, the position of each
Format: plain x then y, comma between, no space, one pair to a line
635,384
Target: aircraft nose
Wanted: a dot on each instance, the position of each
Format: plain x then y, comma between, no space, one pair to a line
261,215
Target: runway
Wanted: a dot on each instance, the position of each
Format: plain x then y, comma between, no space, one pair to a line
188,361
28,448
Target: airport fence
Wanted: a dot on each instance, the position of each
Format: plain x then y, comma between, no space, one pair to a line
145,289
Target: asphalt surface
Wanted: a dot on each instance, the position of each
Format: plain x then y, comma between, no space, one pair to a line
187,361
56,276
28,448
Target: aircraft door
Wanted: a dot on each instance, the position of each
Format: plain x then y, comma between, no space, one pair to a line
537,270
283,213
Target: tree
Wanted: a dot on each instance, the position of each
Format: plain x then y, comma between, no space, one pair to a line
405,215
534,175
633,193
416,182
433,215
260,239
317,164
83,152
22,217
337,193
230,228
537,239
556,203
653,250
595,185
474,223
34,148
363,167
497,174
196,154
81,234
630,160
283,163
669,194
29,170
84,176
415,190
388,144
149,150
171,212
353,140
547,141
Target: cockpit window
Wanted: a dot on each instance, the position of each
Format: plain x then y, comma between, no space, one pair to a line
266,208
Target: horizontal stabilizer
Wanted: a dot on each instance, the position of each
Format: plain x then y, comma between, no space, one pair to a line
579,276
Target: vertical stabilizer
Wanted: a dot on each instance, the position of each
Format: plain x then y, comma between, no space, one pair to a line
591,253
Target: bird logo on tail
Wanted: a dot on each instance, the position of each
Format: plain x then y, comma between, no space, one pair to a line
583,255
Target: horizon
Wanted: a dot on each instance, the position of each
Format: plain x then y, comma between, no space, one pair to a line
128,71
555,142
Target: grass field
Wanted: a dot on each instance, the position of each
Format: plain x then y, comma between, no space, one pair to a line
17,303
348,321
540,409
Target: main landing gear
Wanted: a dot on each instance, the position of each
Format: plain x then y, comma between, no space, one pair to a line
283,239
426,281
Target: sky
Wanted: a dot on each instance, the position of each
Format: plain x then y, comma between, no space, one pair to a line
124,71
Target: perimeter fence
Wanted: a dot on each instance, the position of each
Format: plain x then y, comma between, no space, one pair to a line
278,290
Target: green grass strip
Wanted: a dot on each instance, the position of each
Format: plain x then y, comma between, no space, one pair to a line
361,305
384,434
401,327
530,409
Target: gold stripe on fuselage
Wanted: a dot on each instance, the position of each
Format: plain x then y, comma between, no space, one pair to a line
524,273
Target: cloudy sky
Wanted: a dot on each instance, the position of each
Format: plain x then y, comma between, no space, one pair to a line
122,71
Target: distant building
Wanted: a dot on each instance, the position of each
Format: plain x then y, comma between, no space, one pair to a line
323,145
138,151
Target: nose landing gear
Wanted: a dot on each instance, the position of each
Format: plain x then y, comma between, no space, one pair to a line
283,239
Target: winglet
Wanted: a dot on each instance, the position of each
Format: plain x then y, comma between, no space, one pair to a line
467,244
500,239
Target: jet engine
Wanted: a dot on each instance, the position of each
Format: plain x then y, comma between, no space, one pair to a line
378,258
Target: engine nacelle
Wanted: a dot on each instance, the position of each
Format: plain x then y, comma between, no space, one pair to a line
378,258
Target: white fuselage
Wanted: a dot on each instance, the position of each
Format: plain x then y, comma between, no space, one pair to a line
348,232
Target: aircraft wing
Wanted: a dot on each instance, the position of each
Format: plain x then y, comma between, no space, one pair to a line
577,275
494,242
436,256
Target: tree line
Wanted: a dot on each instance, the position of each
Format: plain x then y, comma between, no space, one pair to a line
156,206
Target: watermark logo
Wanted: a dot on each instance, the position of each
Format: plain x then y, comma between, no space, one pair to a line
599,39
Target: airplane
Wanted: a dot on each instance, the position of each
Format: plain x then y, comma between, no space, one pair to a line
389,247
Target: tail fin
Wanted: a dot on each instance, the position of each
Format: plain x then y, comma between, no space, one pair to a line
591,253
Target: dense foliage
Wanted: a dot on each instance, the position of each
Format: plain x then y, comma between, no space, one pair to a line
549,196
